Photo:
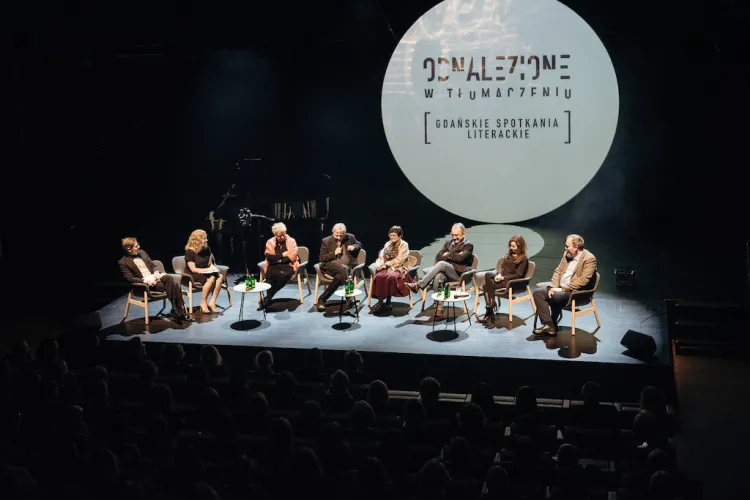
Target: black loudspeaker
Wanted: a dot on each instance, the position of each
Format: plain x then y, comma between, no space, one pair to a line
640,345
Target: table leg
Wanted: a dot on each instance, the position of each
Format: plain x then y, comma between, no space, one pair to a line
341,308
469,315
356,307
433,316
262,302
242,306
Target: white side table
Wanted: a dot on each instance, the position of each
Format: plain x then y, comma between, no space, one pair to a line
354,295
259,289
450,301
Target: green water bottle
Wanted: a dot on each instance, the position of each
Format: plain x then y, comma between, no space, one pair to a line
440,288
349,286
252,281
447,291
248,283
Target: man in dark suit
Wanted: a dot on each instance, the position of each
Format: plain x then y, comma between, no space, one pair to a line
338,256
137,267
454,259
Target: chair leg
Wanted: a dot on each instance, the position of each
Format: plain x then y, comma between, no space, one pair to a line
510,307
127,304
299,286
531,298
229,295
573,308
317,283
411,301
423,294
369,293
596,313
190,297
145,305
307,280
476,303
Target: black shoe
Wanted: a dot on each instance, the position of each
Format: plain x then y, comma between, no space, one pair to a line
321,305
546,330
376,308
264,304
489,316
387,307
414,287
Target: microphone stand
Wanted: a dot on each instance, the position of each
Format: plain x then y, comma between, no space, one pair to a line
246,217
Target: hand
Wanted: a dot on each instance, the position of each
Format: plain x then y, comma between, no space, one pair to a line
150,281
553,290
350,248
445,254
285,253
381,267
338,251
157,275
498,278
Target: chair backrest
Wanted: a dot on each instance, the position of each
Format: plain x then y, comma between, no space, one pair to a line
596,283
530,270
362,256
159,266
178,264
303,253
475,263
415,258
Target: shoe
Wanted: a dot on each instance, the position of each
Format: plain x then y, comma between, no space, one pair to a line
213,308
414,287
204,309
321,305
546,330
489,316
264,304
376,308
387,307
439,312
186,317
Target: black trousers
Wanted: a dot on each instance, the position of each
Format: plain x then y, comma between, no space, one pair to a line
277,276
339,273
490,285
172,289
548,308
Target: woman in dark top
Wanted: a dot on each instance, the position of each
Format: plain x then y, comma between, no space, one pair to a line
200,263
512,266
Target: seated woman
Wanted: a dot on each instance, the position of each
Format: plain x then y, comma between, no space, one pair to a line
391,270
282,260
200,263
512,266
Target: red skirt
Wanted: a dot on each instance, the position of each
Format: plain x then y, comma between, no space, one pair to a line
390,284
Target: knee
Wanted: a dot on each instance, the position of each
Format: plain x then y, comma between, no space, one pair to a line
540,293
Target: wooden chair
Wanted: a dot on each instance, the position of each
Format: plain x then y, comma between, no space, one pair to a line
415,260
518,290
138,290
469,276
357,274
578,299
180,267
300,277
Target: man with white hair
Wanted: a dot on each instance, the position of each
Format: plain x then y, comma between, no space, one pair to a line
338,256
454,259
282,260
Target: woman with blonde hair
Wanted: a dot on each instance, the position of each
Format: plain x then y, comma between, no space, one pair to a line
282,260
511,267
200,262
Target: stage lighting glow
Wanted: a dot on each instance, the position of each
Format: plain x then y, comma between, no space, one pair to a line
502,110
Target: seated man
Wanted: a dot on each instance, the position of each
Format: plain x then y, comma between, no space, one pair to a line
454,259
576,271
282,260
338,256
137,267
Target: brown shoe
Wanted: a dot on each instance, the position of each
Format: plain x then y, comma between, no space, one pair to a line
546,330
439,312
414,287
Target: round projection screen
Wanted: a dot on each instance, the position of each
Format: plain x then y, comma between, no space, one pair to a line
500,110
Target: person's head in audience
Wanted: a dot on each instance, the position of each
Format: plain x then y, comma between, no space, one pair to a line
497,482
99,372
49,392
210,356
377,395
47,352
523,448
304,472
209,400
312,414
173,354
373,477
159,399
21,351
361,414
353,362
434,479
148,371
414,413
224,426
315,359
591,394
339,383
99,391
567,456
264,361
526,425
198,376
30,385
158,430
286,383
471,418
653,400
661,486
659,459
644,425
525,401
257,407
332,449
106,466
188,463
482,396
134,348
72,388
458,452
429,391
58,370
280,435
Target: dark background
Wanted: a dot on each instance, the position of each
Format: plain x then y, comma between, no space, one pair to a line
130,119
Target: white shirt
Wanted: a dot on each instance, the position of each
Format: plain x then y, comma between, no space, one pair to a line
145,273
565,279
